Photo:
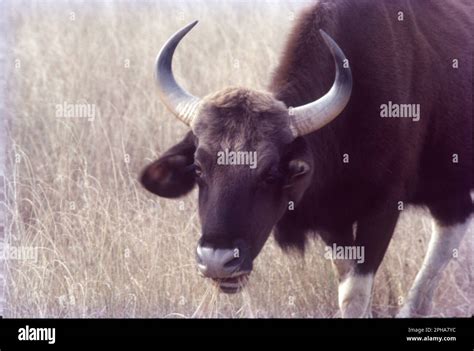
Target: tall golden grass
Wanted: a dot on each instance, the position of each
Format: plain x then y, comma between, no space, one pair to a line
106,248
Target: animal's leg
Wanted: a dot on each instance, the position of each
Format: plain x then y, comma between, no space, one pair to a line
452,221
444,240
342,266
372,238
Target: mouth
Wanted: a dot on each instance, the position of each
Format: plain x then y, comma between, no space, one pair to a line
232,285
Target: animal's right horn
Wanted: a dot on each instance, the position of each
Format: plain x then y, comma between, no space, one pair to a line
182,104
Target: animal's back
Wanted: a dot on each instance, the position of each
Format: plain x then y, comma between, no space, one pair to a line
401,52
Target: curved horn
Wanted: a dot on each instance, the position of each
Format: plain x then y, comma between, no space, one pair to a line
182,104
314,115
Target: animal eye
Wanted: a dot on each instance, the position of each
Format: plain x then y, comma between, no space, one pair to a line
271,177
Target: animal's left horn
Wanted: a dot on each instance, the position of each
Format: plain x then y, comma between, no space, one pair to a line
314,115
182,104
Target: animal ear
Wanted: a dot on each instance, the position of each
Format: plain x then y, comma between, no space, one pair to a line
296,171
297,168
172,175
298,178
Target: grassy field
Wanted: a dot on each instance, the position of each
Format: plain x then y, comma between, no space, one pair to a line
107,248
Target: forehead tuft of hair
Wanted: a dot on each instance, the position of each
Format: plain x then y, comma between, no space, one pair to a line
240,118
245,99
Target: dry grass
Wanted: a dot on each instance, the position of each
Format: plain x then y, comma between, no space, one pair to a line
106,248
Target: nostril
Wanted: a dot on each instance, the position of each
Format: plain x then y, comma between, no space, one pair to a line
233,262
218,263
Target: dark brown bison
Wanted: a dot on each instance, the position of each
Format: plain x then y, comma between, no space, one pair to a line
402,94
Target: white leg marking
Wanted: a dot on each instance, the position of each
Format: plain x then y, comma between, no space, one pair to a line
355,295
444,240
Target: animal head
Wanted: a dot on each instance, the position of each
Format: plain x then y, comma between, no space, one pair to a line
246,155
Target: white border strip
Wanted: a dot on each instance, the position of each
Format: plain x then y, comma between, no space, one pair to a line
3,145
